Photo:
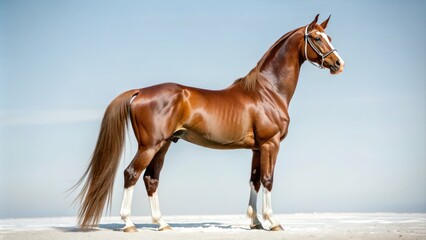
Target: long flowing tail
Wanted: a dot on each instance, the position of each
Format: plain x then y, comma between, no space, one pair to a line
100,173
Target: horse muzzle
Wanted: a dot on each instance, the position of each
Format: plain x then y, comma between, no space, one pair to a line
337,67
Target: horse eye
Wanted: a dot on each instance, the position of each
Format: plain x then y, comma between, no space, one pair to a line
317,39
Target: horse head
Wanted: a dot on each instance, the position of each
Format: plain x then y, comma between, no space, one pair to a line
318,49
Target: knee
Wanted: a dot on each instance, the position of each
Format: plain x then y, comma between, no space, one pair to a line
130,177
151,184
267,182
255,184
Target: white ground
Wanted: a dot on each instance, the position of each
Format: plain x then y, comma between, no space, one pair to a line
235,227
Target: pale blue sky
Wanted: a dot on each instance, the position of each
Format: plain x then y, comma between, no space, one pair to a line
357,141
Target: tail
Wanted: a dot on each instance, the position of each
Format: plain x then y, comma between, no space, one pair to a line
100,173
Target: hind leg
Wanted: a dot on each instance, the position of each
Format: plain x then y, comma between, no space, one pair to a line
152,179
131,175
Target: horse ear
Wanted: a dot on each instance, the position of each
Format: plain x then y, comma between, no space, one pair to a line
312,24
324,24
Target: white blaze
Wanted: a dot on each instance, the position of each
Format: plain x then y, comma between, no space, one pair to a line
325,37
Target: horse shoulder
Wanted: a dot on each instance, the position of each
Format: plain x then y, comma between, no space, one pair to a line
271,119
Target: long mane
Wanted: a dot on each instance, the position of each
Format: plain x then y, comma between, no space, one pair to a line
250,80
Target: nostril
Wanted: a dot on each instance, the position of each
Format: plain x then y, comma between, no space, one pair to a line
337,63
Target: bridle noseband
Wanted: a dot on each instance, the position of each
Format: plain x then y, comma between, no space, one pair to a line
323,56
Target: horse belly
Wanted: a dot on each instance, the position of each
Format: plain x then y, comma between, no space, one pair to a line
201,140
224,138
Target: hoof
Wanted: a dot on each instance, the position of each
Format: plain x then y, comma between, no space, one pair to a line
257,227
130,229
277,228
165,228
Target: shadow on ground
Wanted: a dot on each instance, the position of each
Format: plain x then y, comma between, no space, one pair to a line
153,227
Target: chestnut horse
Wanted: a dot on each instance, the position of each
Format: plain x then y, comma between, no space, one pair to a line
252,113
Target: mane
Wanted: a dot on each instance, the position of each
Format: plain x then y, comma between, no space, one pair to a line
250,80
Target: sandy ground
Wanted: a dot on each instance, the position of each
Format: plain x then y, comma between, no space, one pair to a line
235,227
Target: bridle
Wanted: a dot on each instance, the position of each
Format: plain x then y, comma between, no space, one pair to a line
323,56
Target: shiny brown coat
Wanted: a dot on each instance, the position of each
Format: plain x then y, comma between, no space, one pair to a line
252,113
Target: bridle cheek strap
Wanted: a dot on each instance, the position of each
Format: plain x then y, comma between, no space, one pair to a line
323,56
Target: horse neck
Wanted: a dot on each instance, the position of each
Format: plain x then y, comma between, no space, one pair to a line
282,68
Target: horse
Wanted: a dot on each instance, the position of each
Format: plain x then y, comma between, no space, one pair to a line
252,113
